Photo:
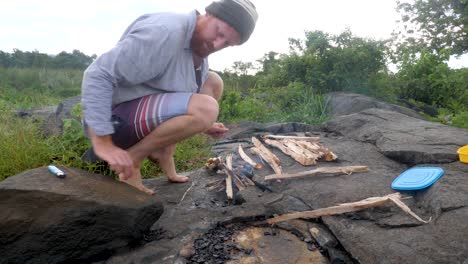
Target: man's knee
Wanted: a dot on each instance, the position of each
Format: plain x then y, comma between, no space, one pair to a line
204,107
213,86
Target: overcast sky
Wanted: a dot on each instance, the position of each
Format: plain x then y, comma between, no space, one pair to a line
94,26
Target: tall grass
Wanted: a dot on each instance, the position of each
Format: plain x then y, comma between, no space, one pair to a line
22,146
28,88
293,103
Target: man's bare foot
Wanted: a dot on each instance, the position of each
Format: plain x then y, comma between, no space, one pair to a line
178,179
136,182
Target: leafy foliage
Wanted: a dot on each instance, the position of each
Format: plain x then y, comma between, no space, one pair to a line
328,63
433,25
428,79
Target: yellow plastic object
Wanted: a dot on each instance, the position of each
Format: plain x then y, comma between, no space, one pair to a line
463,154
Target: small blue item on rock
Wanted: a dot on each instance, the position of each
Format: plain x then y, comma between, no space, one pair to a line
56,171
417,178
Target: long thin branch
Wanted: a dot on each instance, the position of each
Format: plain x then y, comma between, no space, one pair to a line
310,139
325,171
349,207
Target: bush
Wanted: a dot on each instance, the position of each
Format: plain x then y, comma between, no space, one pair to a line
428,79
235,107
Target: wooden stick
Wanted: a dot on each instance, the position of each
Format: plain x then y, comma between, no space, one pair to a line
248,159
318,148
265,150
276,168
297,154
229,191
319,171
346,208
310,139
267,155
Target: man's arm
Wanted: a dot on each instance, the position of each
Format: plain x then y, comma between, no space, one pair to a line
214,87
118,159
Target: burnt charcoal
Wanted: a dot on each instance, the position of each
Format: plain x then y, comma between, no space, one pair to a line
213,247
152,235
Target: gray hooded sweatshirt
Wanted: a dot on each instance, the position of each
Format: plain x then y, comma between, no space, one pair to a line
153,56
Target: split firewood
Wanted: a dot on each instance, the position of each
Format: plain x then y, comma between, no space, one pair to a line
264,150
349,207
301,155
268,158
329,156
318,148
228,164
213,163
325,171
248,159
267,155
310,139
312,146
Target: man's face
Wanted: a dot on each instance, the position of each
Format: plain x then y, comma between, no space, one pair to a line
212,34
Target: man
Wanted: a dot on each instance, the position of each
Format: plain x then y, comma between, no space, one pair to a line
153,89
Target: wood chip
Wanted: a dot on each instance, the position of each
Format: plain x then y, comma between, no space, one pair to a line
325,171
349,207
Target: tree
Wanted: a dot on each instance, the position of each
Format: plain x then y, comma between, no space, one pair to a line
35,59
242,68
433,25
268,61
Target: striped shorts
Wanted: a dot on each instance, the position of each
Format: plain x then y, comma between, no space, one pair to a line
135,119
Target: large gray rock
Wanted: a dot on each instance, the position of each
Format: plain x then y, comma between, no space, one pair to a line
380,235
52,116
343,103
401,137
78,219
53,124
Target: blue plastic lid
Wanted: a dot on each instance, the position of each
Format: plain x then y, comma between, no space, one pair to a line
417,178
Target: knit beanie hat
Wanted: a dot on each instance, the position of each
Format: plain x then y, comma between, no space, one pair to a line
239,14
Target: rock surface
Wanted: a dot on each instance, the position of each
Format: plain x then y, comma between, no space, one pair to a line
343,103
53,116
78,219
380,235
387,139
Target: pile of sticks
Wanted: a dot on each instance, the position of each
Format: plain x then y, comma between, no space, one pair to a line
305,150
234,177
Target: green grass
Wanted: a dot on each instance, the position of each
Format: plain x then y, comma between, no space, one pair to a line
294,103
28,88
22,146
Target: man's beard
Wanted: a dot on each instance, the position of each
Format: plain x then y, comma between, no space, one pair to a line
201,48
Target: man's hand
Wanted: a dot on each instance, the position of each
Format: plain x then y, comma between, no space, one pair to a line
218,130
118,159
